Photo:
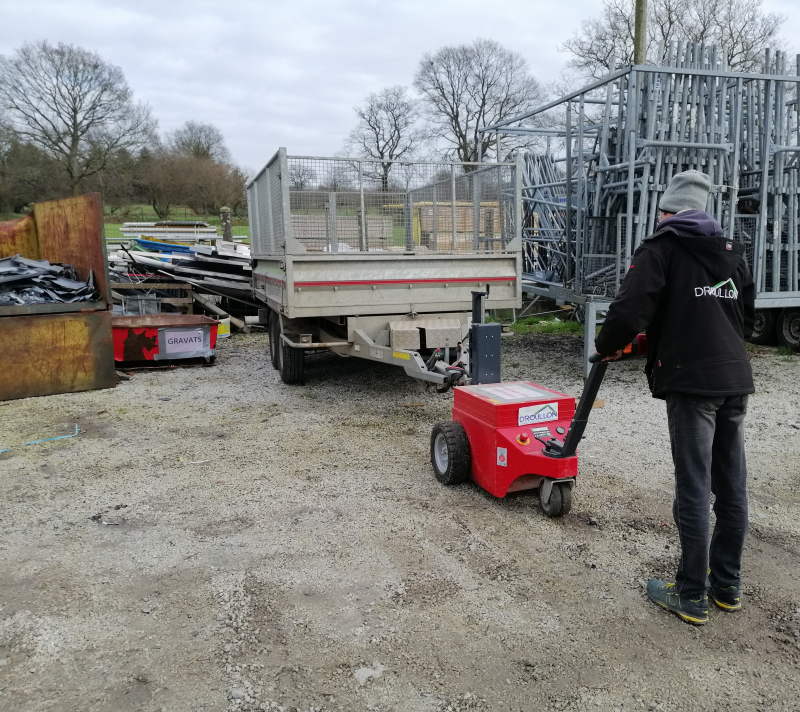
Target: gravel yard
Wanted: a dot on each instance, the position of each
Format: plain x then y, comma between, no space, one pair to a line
216,540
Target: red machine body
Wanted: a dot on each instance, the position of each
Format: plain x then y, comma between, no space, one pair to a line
502,421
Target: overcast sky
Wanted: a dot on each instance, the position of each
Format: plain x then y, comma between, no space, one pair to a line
275,73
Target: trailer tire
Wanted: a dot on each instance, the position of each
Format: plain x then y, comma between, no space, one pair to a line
450,454
789,329
274,338
764,327
291,363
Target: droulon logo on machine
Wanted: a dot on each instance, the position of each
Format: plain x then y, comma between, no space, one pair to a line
540,413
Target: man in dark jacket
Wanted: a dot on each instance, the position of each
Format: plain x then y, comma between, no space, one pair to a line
692,291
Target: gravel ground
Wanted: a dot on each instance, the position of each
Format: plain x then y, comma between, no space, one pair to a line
216,540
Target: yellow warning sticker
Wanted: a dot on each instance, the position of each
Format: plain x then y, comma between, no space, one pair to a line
400,354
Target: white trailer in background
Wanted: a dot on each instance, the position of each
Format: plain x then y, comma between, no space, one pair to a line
379,259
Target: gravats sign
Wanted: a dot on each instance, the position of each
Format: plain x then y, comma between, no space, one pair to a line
180,340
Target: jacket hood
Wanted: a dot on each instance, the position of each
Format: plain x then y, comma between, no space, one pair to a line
701,236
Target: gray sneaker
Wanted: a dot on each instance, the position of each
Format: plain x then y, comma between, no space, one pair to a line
728,599
694,611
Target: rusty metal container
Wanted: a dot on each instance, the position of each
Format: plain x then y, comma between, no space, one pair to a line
58,348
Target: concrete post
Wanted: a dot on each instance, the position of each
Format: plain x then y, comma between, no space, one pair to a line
225,219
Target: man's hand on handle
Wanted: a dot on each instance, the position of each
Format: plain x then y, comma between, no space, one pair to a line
595,357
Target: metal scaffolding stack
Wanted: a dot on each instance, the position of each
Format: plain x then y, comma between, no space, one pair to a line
621,139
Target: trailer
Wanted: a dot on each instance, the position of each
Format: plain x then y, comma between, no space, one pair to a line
379,259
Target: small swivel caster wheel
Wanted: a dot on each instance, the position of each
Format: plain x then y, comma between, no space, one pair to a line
555,498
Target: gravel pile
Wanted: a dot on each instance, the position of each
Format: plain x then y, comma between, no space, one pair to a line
216,540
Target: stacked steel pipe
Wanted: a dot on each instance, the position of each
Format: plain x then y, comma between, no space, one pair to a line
624,138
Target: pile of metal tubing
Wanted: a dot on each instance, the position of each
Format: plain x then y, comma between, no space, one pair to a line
621,139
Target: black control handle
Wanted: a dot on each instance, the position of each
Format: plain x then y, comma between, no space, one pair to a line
567,447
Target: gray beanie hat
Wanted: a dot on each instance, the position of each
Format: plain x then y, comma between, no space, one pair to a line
686,191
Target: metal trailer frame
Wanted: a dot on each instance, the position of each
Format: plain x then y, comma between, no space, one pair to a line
622,139
348,260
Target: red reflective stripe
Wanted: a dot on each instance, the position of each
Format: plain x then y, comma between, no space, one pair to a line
405,281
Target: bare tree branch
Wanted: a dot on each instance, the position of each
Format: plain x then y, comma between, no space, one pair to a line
387,130
739,28
198,140
467,87
73,105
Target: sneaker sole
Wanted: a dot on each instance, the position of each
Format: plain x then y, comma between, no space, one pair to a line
683,616
726,606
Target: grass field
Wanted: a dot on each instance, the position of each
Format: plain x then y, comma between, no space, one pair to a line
546,325
144,213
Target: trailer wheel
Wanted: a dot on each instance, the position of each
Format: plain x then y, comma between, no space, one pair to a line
291,363
450,453
560,501
274,338
789,329
764,327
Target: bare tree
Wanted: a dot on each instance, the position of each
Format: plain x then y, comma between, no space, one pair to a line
116,182
739,28
163,178
198,140
470,86
300,176
73,105
387,130
213,185
27,174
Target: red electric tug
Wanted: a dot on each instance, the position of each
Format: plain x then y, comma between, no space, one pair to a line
509,437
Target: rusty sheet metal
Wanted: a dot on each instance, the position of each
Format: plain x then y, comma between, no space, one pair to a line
56,353
20,237
71,231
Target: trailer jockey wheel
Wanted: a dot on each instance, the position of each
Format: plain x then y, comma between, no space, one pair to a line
450,453
557,501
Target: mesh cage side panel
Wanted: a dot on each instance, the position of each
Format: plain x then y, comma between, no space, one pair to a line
276,237
350,205
252,208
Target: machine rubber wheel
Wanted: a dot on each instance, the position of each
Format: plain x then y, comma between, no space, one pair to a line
789,329
291,363
274,338
560,501
764,327
566,498
450,454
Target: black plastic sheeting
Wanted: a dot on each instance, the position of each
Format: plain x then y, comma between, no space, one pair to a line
24,281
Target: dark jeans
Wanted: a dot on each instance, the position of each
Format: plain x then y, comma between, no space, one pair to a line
707,438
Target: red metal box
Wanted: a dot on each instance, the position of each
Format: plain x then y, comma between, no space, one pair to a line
163,337
502,422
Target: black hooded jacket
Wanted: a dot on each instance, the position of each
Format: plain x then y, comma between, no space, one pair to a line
690,288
